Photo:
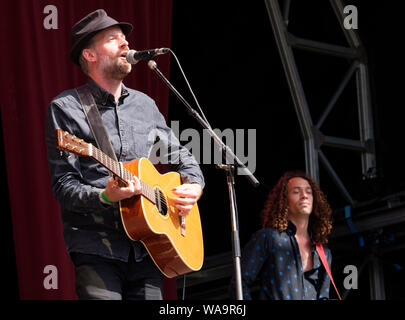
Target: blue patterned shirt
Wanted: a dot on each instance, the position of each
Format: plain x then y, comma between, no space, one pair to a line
273,259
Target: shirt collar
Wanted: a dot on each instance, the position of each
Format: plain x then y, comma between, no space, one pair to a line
102,96
292,230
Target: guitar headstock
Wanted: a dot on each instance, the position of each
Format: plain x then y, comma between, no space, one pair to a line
68,142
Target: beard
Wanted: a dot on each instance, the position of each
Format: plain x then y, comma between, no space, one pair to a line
114,67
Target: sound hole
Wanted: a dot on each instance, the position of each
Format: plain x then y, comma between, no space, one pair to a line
161,203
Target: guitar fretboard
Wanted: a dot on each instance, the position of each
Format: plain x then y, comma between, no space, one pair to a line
117,169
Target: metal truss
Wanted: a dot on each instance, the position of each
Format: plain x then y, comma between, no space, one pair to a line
218,268
311,132
313,137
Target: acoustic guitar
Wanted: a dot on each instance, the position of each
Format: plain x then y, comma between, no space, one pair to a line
174,242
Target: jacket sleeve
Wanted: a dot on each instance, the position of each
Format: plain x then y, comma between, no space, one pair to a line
67,184
254,255
324,281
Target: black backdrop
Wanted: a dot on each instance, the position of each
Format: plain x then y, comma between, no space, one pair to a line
229,54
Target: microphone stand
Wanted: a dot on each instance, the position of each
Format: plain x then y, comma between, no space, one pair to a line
230,170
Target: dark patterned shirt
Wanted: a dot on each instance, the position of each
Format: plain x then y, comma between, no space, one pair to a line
133,124
273,258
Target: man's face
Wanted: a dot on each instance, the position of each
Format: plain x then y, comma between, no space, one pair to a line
110,48
299,197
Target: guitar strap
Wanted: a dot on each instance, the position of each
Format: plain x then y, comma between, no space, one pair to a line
321,253
95,122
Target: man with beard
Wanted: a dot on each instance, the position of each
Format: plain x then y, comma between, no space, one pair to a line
108,264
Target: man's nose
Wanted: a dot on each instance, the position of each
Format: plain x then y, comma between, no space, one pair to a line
124,43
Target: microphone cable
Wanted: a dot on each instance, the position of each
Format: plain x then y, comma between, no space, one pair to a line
184,288
203,115
189,87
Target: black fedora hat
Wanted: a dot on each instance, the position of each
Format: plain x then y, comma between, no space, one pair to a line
88,27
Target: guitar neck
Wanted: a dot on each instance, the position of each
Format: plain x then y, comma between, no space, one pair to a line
118,170
68,142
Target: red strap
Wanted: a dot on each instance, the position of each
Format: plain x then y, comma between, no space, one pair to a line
321,253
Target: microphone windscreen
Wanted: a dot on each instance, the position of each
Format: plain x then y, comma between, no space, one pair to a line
130,57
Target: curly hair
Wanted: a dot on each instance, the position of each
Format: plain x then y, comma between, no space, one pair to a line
275,211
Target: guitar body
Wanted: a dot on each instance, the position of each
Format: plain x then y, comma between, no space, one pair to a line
174,243
175,253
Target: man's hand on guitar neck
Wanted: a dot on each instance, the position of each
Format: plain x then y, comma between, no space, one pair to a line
116,192
188,194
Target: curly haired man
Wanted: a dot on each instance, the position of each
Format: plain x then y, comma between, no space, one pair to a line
282,255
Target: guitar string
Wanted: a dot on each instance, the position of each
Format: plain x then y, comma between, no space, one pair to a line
126,175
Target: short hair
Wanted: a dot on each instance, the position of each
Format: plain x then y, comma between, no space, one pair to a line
82,61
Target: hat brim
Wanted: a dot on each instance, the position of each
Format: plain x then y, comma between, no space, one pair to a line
79,45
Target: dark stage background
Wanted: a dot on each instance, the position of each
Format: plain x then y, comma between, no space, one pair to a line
228,52
235,69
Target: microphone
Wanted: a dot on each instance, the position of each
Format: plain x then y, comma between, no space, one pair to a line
134,56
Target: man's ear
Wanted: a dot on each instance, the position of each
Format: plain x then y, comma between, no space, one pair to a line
89,55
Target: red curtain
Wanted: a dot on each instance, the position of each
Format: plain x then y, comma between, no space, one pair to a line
35,68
